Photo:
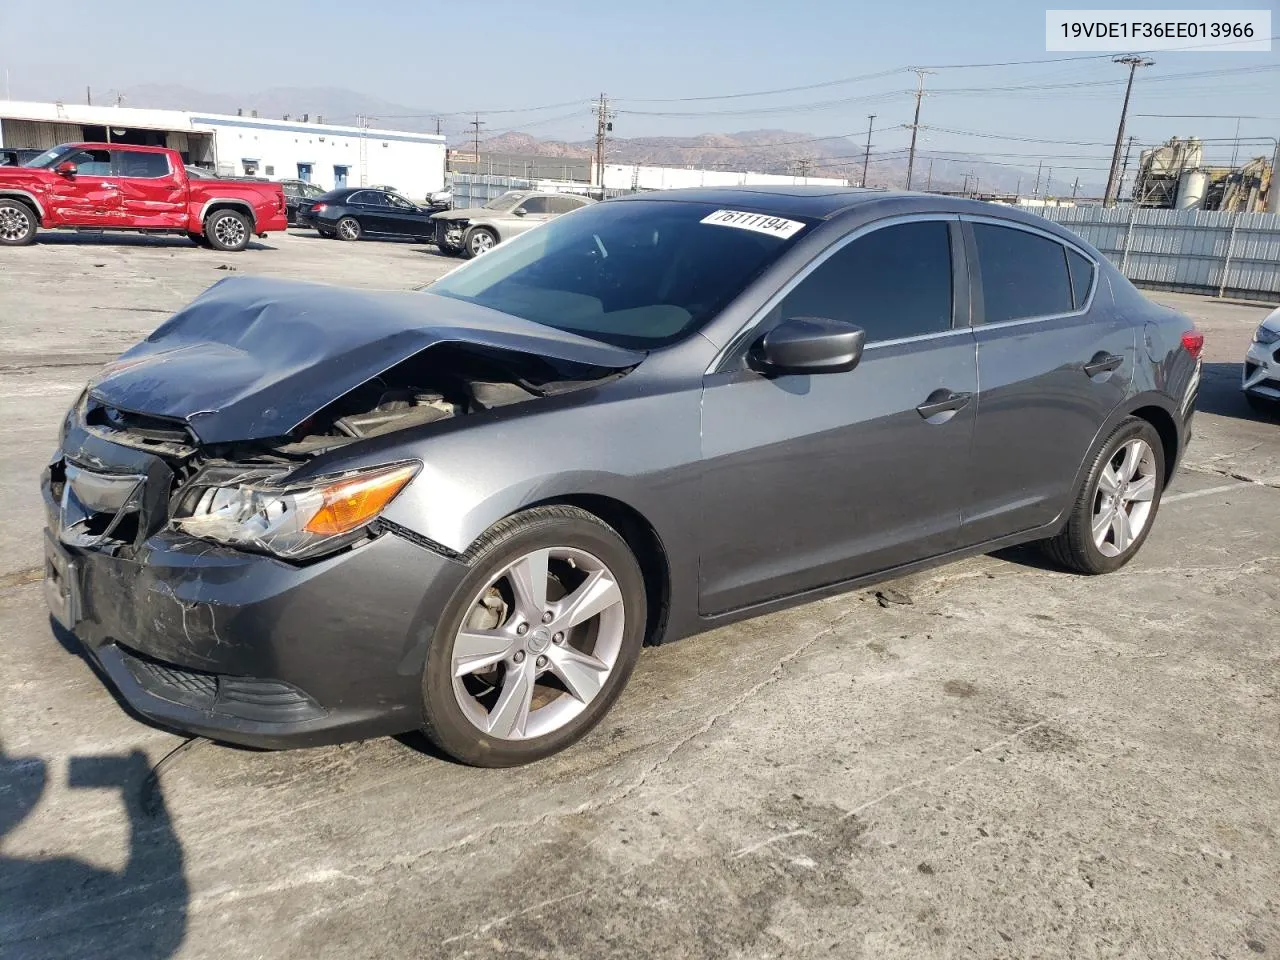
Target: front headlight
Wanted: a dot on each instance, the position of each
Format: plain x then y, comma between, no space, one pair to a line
247,509
1265,335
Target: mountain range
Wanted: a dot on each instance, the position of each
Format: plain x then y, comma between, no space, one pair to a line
762,151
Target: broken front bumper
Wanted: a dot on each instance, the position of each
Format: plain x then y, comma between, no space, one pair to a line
248,649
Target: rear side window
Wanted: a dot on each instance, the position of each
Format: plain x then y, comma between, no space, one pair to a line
535,205
142,166
893,282
1081,278
1023,274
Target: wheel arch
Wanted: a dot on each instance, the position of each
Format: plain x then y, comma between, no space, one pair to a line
22,196
487,227
644,542
228,203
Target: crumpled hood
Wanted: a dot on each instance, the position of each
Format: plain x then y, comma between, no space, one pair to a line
252,357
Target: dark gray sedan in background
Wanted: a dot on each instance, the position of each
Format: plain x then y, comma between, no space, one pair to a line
297,514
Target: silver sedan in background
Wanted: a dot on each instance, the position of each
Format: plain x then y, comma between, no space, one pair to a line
475,230
1261,383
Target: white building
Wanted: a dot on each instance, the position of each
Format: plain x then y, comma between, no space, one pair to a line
325,154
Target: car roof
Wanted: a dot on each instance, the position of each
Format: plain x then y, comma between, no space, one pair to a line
79,145
825,203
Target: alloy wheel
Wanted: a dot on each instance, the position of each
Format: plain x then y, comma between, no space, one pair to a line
14,224
1122,502
481,242
349,229
229,231
539,643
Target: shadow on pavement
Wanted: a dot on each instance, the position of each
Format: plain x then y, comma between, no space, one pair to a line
60,906
71,238
1220,394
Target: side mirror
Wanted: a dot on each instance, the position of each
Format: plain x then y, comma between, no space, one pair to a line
520,211
808,345
65,169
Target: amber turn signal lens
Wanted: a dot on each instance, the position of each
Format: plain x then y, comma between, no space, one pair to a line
349,504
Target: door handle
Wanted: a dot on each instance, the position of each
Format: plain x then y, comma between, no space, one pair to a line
943,401
1102,363
109,186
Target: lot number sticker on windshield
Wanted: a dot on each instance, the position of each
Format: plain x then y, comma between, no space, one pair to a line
758,222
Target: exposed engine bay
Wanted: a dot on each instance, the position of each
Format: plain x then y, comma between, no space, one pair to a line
442,382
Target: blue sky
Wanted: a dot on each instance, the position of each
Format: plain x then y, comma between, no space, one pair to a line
557,55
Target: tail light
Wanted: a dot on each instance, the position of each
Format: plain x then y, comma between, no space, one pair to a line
319,208
1193,343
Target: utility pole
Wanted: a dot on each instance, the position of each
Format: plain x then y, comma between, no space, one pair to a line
1113,188
437,126
1124,167
1017,191
928,182
1075,188
976,181
1035,191
88,99
915,123
866,154
1048,182
476,124
604,124
965,189
362,122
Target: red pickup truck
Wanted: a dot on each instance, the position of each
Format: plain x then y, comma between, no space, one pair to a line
106,186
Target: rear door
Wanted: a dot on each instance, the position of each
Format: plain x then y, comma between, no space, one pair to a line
371,209
1054,360
151,195
91,196
813,480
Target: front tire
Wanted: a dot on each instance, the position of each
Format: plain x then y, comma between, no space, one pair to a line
349,229
18,224
538,640
1117,503
477,241
227,230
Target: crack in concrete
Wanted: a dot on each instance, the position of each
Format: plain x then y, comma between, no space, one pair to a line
1274,484
618,796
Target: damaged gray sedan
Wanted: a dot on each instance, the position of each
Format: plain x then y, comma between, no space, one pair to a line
297,514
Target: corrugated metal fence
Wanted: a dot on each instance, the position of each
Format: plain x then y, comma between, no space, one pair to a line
1194,251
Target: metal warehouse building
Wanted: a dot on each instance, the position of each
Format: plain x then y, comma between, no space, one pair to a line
328,155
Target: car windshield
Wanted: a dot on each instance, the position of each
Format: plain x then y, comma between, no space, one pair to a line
49,157
505,202
632,273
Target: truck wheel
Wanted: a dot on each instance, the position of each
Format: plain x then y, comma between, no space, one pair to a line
227,230
349,229
17,224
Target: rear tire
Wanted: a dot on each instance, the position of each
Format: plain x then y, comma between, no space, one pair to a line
227,230
349,229
18,224
493,693
1117,503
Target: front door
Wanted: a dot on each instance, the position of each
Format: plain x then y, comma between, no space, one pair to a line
150,193
91,196
813,480
403,219
536,210
1054,361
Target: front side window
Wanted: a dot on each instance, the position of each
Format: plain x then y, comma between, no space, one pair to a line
395,200
1024,274
90,163
534,205
635,273
893,282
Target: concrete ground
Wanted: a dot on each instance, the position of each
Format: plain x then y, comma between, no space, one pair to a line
1015,762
